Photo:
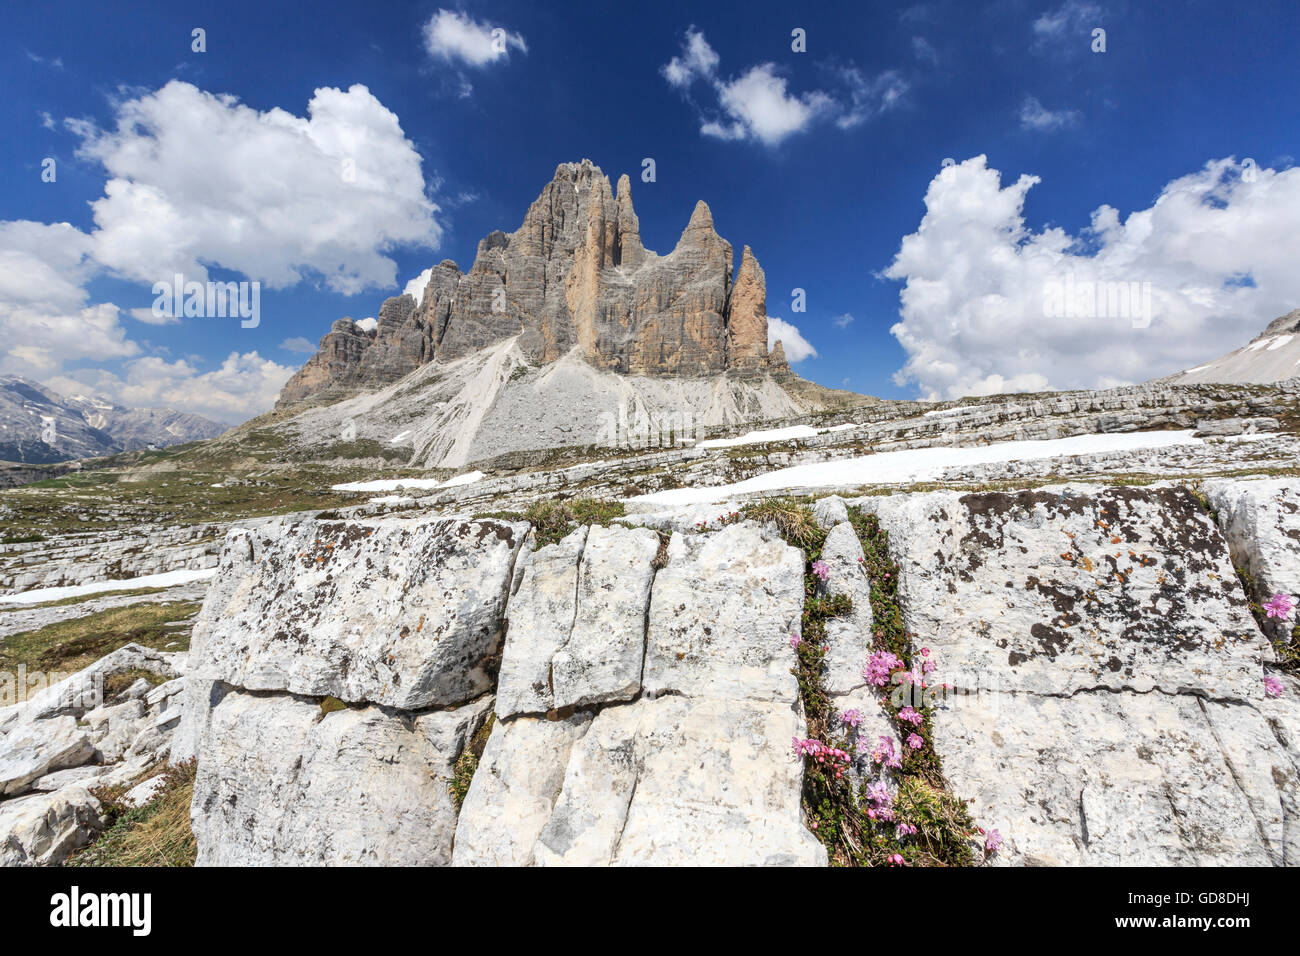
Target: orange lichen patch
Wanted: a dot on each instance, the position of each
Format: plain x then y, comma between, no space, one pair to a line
1115,540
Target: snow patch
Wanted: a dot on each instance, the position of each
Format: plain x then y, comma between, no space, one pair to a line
772,434
166,579
954,410
393,484
918,464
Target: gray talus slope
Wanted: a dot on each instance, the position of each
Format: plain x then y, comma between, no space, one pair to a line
494,401
1272,356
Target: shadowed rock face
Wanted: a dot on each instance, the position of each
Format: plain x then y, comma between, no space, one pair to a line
573,274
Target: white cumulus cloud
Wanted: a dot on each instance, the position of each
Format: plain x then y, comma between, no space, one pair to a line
981,289
415,288
795,346
197,179
244,385
46,317
459,37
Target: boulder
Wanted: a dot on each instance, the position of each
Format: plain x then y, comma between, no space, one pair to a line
1107,705
697,768
30,750
280,782
541,616
45,829
850,643
405,613
1056,592
1099,778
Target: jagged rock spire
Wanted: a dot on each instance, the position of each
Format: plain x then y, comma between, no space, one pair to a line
747,319
575,273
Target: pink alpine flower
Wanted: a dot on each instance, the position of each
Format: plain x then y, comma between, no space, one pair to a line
992,841
851,718
879,668
839,759
910,715
821,569
904,829
1279,606
795,640
1273,687
896,859
879,795
885,754
915,742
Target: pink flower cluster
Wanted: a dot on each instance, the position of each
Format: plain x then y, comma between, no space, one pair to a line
1273,687
879,796
915,741
851,718
882,802
838,759
885,754
904,829
896,859
879,668
910,715
821,569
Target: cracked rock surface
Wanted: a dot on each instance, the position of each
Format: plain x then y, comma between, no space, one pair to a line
1108,705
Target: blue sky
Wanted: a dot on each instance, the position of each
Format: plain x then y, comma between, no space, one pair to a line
822,161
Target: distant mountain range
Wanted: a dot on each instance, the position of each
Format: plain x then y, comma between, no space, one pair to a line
39,426
1271,356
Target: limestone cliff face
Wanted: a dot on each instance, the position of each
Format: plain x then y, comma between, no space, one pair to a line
575,273
747,328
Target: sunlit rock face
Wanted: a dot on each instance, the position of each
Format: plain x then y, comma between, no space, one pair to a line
574,274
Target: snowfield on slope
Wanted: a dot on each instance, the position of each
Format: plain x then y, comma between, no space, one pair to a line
772,434
917,464
165,579
392,484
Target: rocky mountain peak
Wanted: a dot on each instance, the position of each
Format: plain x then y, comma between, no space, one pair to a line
575,274
1284,324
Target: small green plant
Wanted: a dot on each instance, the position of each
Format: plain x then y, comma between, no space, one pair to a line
467,762
552,521
793,519
329,705
923,824
156,834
